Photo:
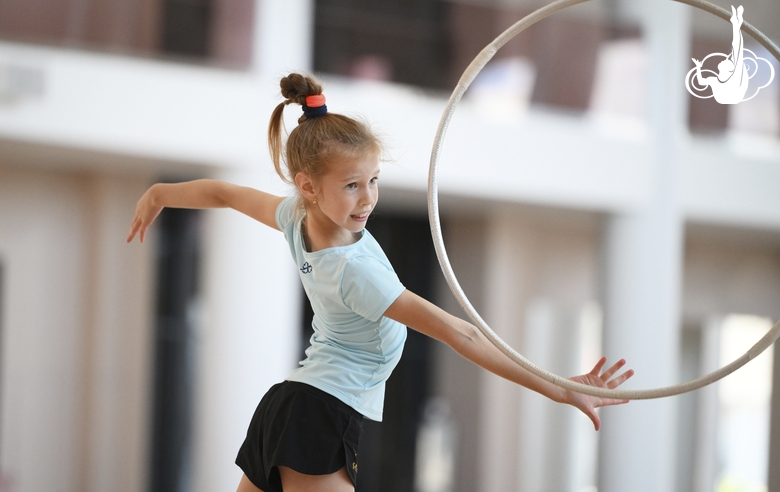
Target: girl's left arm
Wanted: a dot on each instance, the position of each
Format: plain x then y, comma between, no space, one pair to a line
419,314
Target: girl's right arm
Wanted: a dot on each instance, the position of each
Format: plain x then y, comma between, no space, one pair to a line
466,339
202,193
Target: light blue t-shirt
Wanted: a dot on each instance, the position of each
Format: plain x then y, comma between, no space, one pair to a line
354,348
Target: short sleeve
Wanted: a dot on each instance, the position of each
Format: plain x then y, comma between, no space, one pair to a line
368,287
285,212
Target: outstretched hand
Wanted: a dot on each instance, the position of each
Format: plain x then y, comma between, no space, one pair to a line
145,213
588,404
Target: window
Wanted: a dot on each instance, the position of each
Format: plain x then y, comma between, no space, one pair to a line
185,28
400,40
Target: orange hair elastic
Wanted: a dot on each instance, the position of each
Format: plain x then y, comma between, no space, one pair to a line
315,101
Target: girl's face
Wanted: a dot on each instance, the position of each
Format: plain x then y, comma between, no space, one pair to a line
348,192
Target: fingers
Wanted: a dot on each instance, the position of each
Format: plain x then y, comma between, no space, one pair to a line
145,213
133,231
607,376
612,370
597,368
611,402
595,419
620,379
604,379
137,227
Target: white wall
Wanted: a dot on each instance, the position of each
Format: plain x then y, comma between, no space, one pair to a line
217,118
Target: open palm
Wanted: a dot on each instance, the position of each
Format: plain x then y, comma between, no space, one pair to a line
588,404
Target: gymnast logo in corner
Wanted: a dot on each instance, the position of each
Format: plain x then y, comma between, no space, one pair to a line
306,268
730,84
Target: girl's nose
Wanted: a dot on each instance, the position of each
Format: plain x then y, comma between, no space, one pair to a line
367,198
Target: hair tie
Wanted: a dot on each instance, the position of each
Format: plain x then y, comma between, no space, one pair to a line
315,106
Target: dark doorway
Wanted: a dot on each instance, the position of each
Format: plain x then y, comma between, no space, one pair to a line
387,449
177,286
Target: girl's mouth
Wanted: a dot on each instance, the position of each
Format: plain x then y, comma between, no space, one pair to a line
360,218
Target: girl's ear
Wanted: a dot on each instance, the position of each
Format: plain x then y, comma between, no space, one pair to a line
305,186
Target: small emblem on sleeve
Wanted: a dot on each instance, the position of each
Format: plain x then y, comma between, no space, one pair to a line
306,268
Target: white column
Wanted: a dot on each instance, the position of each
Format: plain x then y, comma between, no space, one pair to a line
283,37
705,458
774,433
547,430
120,358
533,421
249,334
642,277
75,333
44,233
505,273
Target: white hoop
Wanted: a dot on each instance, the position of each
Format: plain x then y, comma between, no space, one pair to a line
433,214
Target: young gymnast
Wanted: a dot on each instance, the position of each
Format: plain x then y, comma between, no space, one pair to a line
304,434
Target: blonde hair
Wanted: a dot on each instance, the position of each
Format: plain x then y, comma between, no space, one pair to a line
319,141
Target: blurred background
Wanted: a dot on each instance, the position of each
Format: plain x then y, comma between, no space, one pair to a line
590,206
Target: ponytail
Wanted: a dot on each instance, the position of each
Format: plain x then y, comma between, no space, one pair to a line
295,88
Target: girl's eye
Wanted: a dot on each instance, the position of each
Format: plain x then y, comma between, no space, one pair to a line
352,186
373,180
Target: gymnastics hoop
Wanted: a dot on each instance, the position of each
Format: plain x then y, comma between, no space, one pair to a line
433,214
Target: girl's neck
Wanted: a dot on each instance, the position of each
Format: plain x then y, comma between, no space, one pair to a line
319,232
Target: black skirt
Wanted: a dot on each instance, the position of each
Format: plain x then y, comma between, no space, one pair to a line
301,427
